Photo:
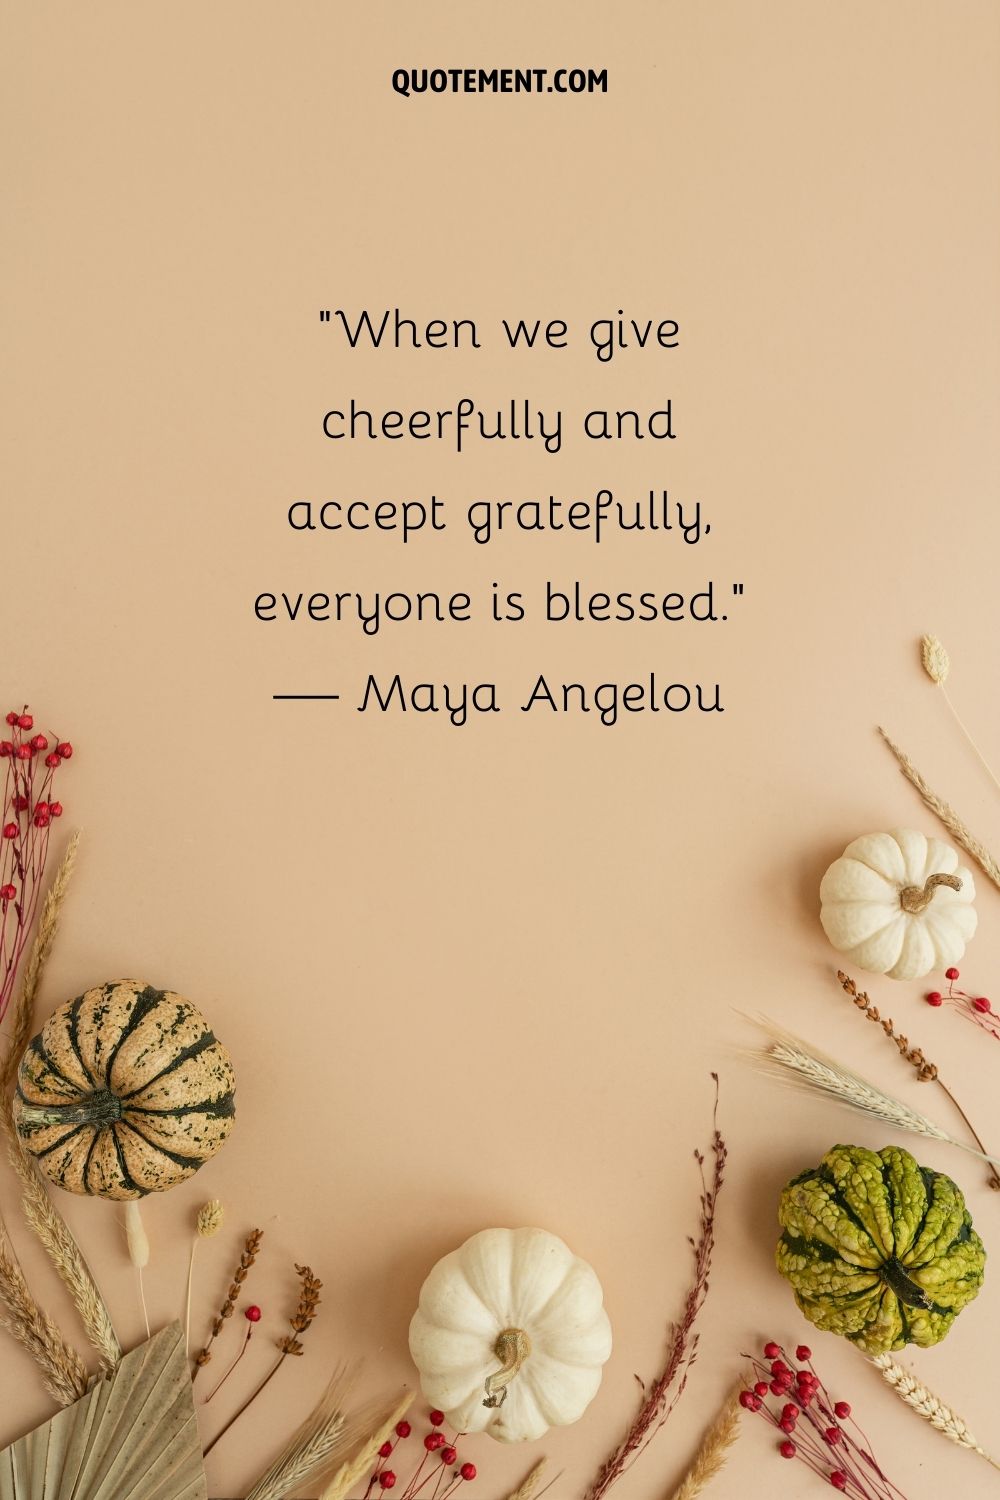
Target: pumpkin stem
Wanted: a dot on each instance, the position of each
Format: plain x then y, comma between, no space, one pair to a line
97,1109
907,1291
916,898
512,1349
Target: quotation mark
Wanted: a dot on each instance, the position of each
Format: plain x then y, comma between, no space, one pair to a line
737,588
324,317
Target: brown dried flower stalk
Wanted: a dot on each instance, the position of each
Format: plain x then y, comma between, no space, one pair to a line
711,1457
663,1395
289,1343
250,1251
926,1071
958,830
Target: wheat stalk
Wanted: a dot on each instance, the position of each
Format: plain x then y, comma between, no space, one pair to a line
937,665
789,1057
64,1375
354,1469
318,1440
41,1214
929,1406
711,1457
529,1485
947,814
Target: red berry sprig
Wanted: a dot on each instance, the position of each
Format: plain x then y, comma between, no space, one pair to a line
975,1008
813,1427
438,1472
29,810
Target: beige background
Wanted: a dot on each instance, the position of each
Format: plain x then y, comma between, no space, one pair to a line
481,977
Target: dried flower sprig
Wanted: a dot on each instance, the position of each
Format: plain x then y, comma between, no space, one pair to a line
289,1344
929,1406
948,816
663,1395
137,1241
975,1008
253,1316
713,1453
937,664
207,1224
926,1071
251,1250
816,1429
29,809
439,1463
791,1059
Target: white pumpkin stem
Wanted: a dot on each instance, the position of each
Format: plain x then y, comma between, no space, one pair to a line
916,898
512,1348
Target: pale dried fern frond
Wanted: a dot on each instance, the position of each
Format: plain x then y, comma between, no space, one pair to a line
929,1406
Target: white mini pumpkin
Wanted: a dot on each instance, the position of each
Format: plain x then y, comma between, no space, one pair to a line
511,1335
898,904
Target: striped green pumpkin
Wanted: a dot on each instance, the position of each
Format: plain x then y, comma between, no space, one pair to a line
125,1092
878,1248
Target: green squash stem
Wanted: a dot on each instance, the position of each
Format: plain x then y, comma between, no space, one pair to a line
907,1291
97,1109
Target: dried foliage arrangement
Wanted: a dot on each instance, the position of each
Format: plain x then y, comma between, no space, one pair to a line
793,1060
947,815
321,1439
249,1253
383,1427
817,1430
926,1071
711,1457
937,664
667,1389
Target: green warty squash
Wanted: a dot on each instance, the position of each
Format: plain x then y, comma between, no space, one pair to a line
878,1248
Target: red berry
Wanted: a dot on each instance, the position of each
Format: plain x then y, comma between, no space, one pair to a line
25,721
833,1435
951,974
41,818
981,1004
387,1479
8,892
12,717
449,1455
803,1352
750,1401
786,1425
761,1388
23,752
842,1410
790,1412
779,1367
434,1440
52,760
468,1471
64,749
253,1314
772,1351
10,830
838,1479
39,742
437,1417
6,749
21,802
55,809
386,1450
403,1429
787,1449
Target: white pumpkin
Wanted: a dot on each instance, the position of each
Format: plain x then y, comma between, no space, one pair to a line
898,904
511,1335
